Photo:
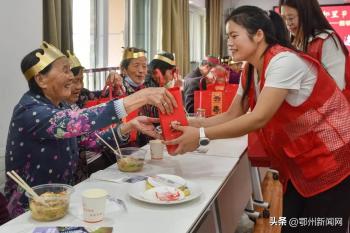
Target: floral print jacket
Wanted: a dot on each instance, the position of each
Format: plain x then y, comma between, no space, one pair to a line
42,142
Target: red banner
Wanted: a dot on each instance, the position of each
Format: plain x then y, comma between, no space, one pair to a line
339,17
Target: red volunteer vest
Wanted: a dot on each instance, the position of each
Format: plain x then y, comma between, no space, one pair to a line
309,144
315,50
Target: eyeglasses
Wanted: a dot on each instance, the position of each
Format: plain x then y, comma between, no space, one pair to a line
290,19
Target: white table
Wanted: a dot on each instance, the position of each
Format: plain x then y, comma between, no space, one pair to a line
216,175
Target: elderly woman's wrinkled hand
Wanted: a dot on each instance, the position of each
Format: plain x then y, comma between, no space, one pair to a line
114,79
145,125
187,142
161,98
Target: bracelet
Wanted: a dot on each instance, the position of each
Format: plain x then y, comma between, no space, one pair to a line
120,135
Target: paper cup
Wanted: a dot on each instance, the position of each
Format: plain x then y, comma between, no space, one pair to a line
157,149
94,205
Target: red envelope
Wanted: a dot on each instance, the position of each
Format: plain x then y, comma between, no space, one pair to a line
178,115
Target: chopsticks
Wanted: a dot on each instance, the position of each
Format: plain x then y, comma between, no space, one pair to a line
106,143
15,177
109,146
116,141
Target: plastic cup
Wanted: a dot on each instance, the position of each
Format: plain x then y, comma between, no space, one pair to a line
200,113
157,149
94,205
191,116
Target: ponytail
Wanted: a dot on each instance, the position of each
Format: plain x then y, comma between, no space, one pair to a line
248,82
253,18
281,32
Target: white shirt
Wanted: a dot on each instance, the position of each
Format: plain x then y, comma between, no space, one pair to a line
287,70
333,59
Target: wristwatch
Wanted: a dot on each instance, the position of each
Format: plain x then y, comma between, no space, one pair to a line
203,140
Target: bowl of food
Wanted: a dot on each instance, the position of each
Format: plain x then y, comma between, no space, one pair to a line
132,159
53,201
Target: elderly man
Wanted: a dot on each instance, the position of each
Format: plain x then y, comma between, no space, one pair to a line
192,80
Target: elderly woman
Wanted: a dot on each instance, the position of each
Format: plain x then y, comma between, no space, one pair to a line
133,69
99,157
161,73
42,140
81,95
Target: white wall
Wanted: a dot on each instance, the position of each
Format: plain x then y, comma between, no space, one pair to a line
21,32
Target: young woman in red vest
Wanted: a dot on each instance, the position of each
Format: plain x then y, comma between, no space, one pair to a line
301,117
312,33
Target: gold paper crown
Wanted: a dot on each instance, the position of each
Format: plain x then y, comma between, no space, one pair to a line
129,53
51,53
74,61
165,59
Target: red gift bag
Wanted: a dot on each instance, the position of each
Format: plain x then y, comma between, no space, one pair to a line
178,115
256,152
216,99
91,103
101,100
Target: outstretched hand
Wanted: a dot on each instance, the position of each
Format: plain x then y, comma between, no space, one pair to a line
161,98
145,125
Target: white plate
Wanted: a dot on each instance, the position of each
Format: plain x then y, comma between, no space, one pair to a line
176,180
137,191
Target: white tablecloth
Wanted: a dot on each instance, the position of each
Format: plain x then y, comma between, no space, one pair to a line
210,172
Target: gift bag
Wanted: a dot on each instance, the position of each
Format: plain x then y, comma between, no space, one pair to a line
178,115
216,99
256,152
101,100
